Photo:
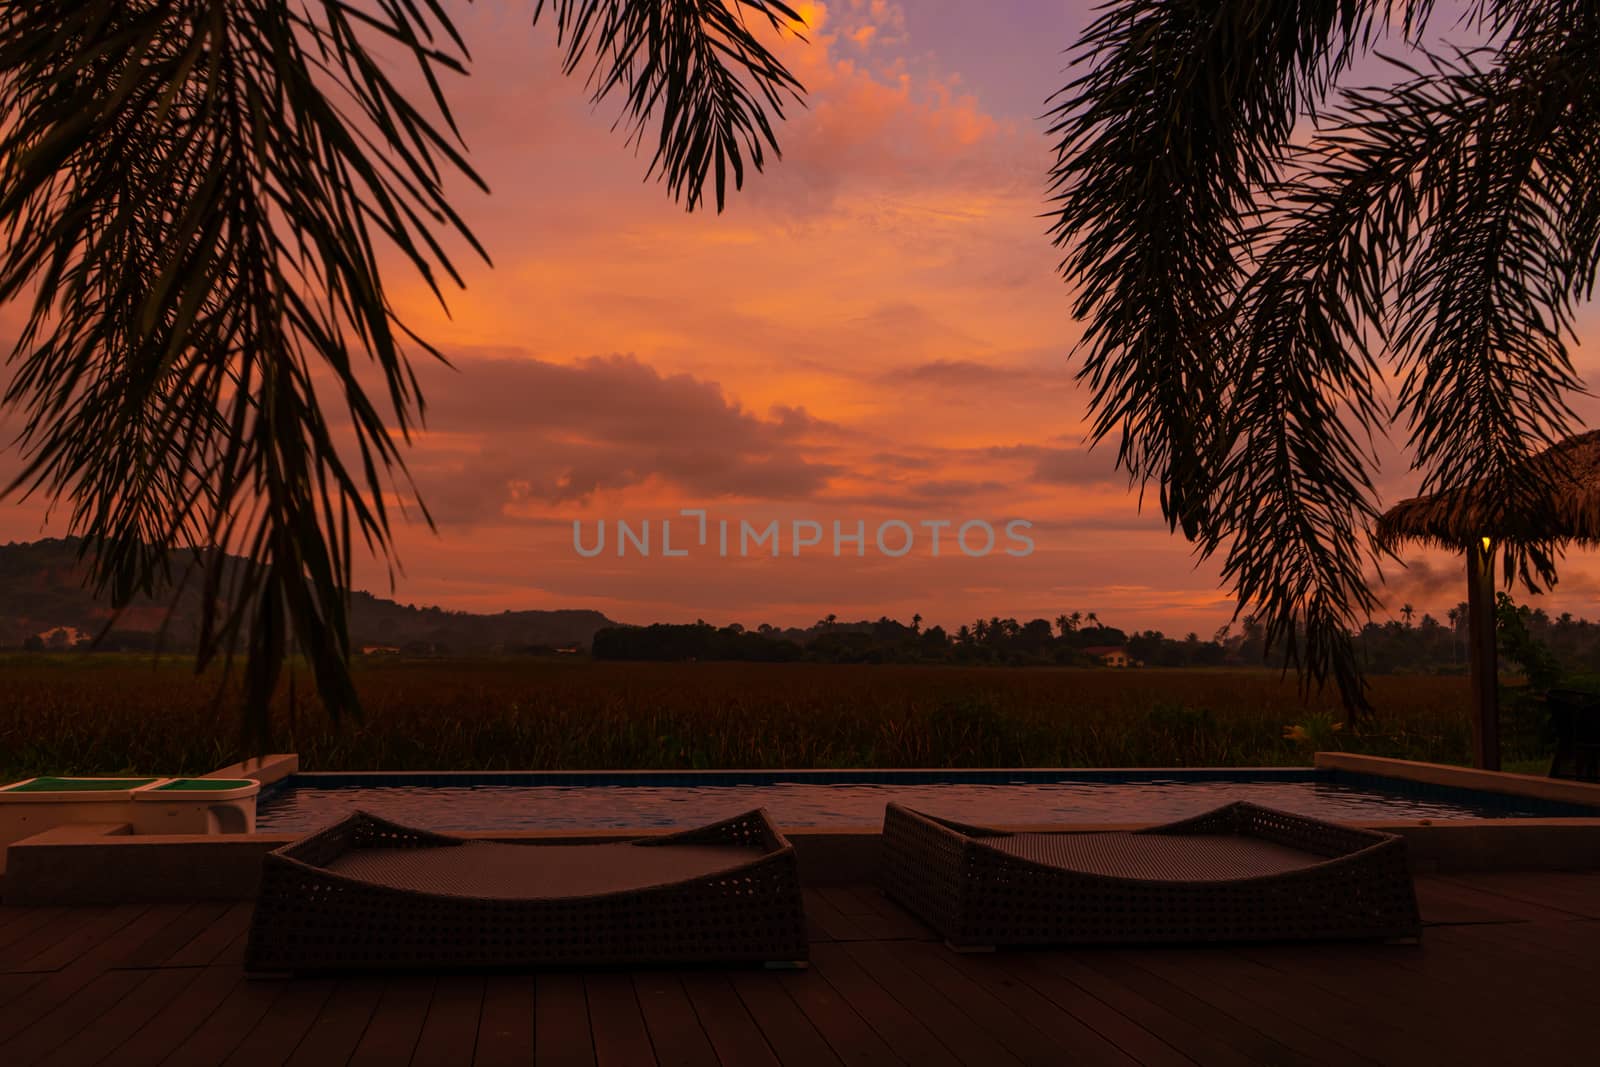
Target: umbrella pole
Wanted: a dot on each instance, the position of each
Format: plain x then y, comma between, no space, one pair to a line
1482,666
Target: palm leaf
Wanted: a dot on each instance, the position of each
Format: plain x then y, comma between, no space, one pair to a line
697,68
1242,293
194,194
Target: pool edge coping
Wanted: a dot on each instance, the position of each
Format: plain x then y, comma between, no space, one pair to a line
1436,775
1505,783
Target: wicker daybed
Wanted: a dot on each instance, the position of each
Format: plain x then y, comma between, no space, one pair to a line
368,894
1239,873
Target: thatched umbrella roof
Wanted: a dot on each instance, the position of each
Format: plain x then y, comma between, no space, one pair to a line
1557,501
1551,499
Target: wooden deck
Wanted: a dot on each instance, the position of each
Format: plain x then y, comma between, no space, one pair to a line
1504,976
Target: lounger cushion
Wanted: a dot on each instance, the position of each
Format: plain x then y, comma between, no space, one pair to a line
1150,857
527,872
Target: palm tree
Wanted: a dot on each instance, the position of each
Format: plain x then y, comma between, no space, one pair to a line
1406,611
193,197
1244,292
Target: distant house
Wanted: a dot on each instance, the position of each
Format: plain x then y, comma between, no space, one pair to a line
60,637
1111,656
379,650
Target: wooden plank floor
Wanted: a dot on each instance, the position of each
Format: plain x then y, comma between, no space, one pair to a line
1504,975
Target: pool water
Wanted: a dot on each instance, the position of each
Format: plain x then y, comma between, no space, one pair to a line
467,802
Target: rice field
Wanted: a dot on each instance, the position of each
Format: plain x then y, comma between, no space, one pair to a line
103,714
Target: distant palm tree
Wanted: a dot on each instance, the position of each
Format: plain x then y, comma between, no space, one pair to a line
193,196
1243,290
1406,611
1064,625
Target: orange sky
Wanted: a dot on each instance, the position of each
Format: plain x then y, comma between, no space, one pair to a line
873,330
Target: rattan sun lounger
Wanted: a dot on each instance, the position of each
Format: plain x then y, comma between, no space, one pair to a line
1239,873
368,894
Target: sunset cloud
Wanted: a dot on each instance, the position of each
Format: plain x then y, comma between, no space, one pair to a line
967,374
882,115
525,432
874,327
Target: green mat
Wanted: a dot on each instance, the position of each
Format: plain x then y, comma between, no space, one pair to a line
203,785
77,785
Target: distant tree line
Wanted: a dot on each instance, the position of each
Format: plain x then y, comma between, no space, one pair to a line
1545,649
1532,643
1074,639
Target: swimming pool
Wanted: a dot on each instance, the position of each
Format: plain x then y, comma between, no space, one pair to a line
800,799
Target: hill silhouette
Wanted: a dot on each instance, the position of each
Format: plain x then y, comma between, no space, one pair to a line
43,594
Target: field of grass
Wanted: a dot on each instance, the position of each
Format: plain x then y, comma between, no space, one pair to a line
101,714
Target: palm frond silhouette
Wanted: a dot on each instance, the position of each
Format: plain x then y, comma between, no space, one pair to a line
1245,289
194,195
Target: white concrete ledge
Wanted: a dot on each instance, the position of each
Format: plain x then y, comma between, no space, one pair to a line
105,864
264,769
1520,785
74,865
